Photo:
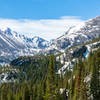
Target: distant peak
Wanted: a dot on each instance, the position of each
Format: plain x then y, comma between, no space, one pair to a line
37,38
8,31
3,28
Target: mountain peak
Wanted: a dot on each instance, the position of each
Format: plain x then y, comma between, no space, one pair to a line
8,31
37,38
79,34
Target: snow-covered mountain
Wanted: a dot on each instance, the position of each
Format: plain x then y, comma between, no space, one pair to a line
79,34
13,44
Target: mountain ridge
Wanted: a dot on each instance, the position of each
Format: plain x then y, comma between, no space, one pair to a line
13,44
79,34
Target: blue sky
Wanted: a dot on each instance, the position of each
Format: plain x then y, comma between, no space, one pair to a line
48,9
42,17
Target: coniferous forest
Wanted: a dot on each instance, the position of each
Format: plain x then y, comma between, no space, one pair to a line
38,80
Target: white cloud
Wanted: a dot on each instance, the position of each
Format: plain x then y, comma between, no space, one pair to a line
45,28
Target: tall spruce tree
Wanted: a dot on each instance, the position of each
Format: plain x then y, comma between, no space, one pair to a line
71,88
78,79
50,91
25,92
4,92
95,80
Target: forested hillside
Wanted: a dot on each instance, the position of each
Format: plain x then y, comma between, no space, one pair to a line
38,79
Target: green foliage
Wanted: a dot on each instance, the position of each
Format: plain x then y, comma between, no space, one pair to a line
95,80
38,79
50,91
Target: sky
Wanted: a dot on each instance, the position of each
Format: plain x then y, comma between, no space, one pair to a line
46,18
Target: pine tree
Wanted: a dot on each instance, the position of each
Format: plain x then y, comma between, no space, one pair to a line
78,79
10,96
39,93
50,91
25,92
35,92
95,81
4,92
76,89
71,89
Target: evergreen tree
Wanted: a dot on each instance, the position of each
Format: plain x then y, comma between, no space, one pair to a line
71,89
25,92
10,96
4,92
78,79
95,81
50,91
